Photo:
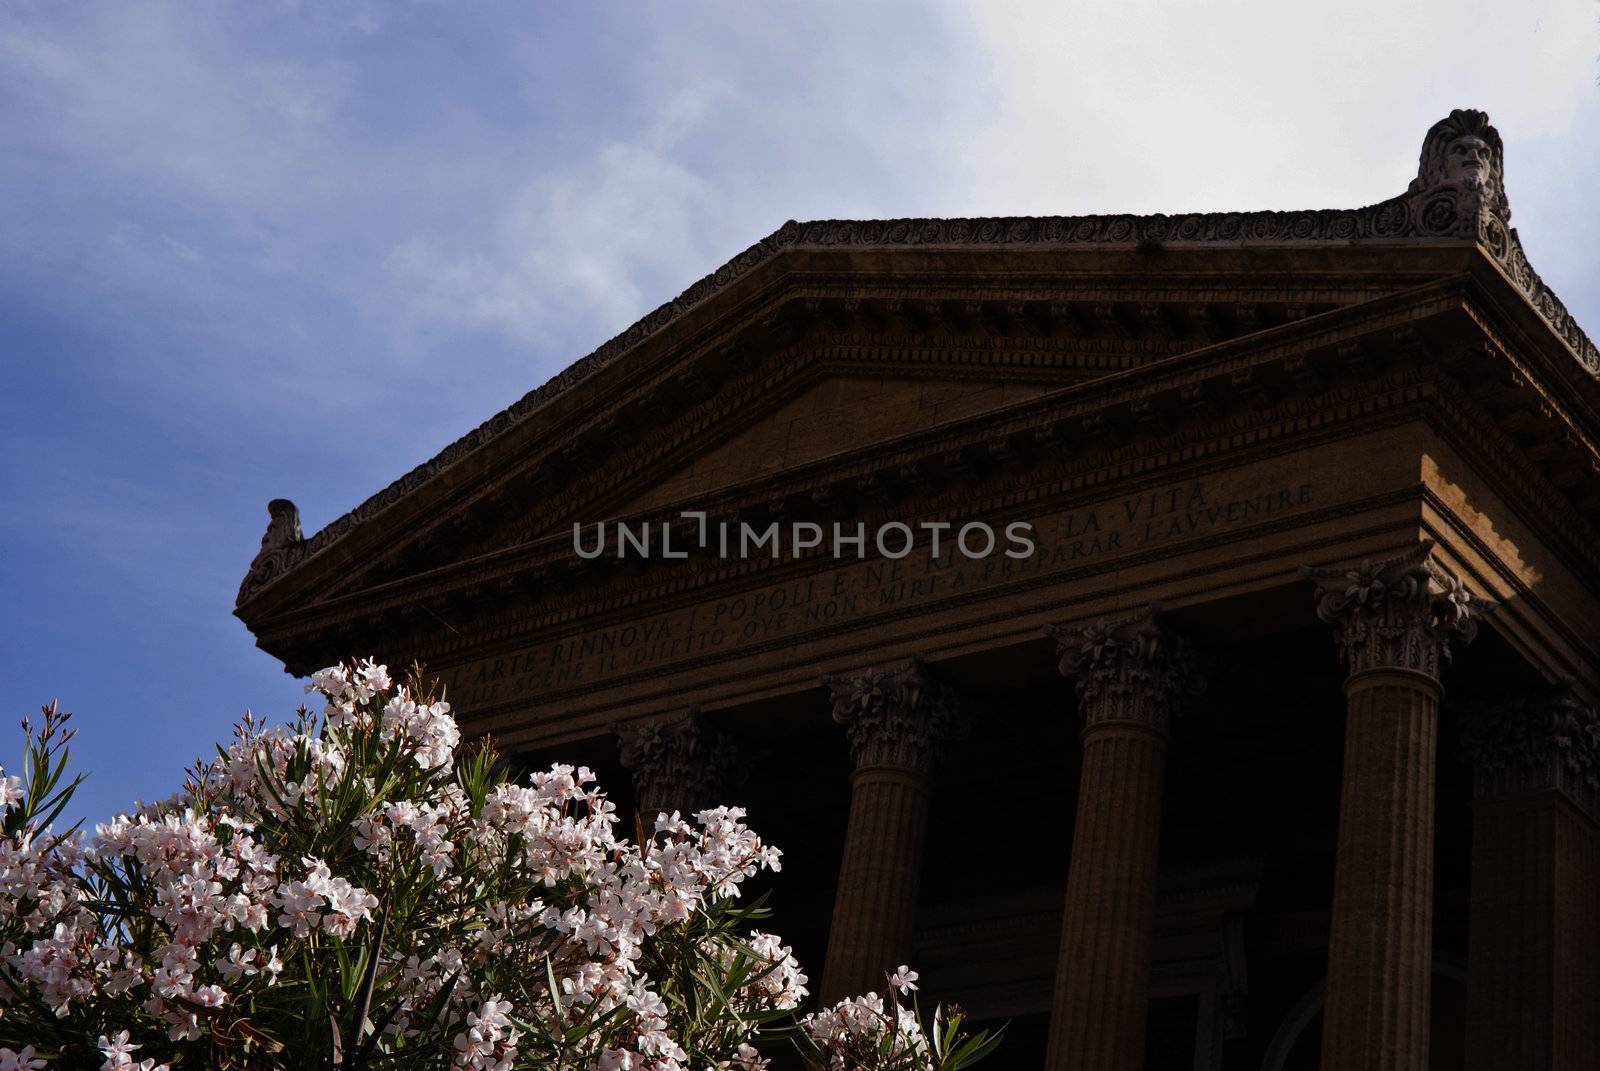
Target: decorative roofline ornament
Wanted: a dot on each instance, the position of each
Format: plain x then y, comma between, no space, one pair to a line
1463,153
282,547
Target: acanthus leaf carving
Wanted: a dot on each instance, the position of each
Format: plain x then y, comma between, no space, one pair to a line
1547,741
681,762
900,717
1128,669
1400,613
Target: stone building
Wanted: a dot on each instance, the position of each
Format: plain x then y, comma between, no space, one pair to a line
1207,778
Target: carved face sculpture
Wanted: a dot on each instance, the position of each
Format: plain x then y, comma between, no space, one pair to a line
1468,161
284,527
1463,150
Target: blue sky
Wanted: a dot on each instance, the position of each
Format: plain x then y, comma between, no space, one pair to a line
275,249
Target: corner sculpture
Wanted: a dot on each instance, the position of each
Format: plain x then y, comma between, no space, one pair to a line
282,547
1459,193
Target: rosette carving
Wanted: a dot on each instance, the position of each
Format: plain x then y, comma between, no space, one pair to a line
1130,669
901,717
1398,613
679,763
1541,742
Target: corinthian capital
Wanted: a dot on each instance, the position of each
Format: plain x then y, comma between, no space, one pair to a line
1549,741
1129,669
1397,613
679,763
896,716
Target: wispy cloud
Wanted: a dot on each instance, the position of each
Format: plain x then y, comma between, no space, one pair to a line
580,239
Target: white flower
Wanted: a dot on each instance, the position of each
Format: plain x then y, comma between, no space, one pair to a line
19,1061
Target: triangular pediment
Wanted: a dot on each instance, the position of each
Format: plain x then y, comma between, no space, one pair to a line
790,412
838,415
841,377
855,339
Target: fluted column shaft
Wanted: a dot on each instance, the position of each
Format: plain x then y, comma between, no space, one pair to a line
896,721
1103,971
1381,940
875,903
1131,676
1533,988
1394,621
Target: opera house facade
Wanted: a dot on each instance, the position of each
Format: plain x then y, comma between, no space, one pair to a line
1174,635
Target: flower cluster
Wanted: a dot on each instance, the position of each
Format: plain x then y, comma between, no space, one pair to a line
356,889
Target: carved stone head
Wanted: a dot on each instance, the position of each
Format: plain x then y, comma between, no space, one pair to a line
284,526
1463,150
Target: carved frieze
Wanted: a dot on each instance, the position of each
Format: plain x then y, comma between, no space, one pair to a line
1128,669
1400,613
679,763
899,716
1548,741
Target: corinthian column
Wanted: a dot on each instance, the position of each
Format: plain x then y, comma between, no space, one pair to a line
1132,675
1394,621
1533,988
679,763
896,720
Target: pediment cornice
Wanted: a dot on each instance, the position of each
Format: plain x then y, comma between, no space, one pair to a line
1335,375
1441,209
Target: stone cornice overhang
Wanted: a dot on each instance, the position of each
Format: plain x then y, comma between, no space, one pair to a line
1465,314
1141,300
1457,198
754,312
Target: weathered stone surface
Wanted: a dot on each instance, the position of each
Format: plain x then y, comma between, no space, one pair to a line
897,720
1535,921
1394,620
1132,675
679,763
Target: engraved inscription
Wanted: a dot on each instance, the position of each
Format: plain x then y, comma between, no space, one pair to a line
858,591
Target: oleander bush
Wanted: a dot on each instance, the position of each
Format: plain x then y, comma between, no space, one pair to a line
357,890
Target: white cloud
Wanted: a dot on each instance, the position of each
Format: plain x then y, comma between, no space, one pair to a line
1005,108
578,241
1148,106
